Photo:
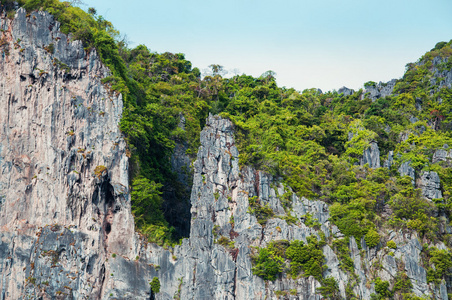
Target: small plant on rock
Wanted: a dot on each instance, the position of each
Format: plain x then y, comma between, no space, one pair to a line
99,171
392,245
155,285
372,238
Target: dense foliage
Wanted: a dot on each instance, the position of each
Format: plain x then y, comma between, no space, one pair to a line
306,259
305,138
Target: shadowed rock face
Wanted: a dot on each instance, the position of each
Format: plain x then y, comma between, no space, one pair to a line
66,227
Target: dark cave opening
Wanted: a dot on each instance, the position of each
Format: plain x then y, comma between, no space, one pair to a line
108,228
176,207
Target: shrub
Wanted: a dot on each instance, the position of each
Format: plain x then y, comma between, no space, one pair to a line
341,248
441,261
262,212
310,221
155,285
329,288
402,283
372,238
382,288
226,242
391,244
50,48
99,170
307,258
147,210
370,84
267,264
215,231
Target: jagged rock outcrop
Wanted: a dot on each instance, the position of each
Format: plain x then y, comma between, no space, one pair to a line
390,160
345,91
441,76
430,185
203,269
379,90
371,156
406,169
220,194
443,154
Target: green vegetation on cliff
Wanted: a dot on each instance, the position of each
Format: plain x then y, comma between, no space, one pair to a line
305,259
313,140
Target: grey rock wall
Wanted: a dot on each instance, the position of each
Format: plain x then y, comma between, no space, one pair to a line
380,90
345,91
389,161
208,270
444,77
406,169
59,220
220,190
371,156
430,185
443,154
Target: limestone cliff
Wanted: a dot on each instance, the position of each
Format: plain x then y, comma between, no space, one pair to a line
64,173
67,231
202,269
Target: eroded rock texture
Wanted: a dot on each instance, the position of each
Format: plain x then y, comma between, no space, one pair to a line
202,269
380,90
64,182
406,169
430,185
371,156
67,231
442,154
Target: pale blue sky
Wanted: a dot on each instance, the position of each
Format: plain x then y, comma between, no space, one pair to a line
309,43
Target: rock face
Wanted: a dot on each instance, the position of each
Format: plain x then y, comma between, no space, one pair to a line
220,194
406,169
345,91
388,162
67,231
64,173
380,90
444,154
430,185
203,269
371,156
442,77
